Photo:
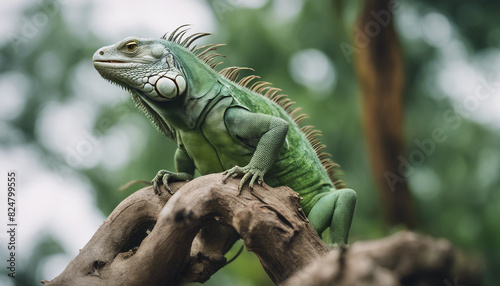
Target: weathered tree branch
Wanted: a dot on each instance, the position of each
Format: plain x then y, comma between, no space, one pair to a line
405,258
269,220
170,240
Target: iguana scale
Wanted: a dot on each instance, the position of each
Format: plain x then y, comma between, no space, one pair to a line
222,125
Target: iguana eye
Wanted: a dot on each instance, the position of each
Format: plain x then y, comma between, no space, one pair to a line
131,47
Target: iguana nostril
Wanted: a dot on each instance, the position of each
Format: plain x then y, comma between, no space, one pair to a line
101,52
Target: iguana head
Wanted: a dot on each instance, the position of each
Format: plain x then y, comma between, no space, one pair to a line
145,66
169,81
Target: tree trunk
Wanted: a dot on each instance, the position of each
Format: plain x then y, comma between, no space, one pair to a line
379,67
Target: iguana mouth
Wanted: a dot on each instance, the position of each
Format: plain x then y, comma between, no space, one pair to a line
110,61
115,64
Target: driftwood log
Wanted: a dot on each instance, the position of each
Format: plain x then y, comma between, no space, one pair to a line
171,240
405,258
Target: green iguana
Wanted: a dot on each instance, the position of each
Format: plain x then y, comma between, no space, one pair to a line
220,125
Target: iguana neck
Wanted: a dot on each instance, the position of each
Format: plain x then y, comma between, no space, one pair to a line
184,113
202,87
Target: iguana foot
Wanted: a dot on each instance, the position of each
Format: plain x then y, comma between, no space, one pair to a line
249,173
164,177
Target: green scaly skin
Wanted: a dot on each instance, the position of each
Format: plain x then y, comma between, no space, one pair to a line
220,126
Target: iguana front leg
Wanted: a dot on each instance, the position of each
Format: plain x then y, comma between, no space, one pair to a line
184,166
264,132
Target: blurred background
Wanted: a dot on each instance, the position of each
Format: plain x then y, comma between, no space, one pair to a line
74,139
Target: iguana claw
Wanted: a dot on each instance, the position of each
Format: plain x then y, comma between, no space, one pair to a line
161,178
249,173
164,177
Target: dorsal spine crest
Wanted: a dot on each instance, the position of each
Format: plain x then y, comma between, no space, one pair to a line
207,55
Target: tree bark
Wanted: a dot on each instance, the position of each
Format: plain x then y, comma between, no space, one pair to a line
379,65
154,239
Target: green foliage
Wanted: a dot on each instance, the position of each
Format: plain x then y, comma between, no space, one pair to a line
455,184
